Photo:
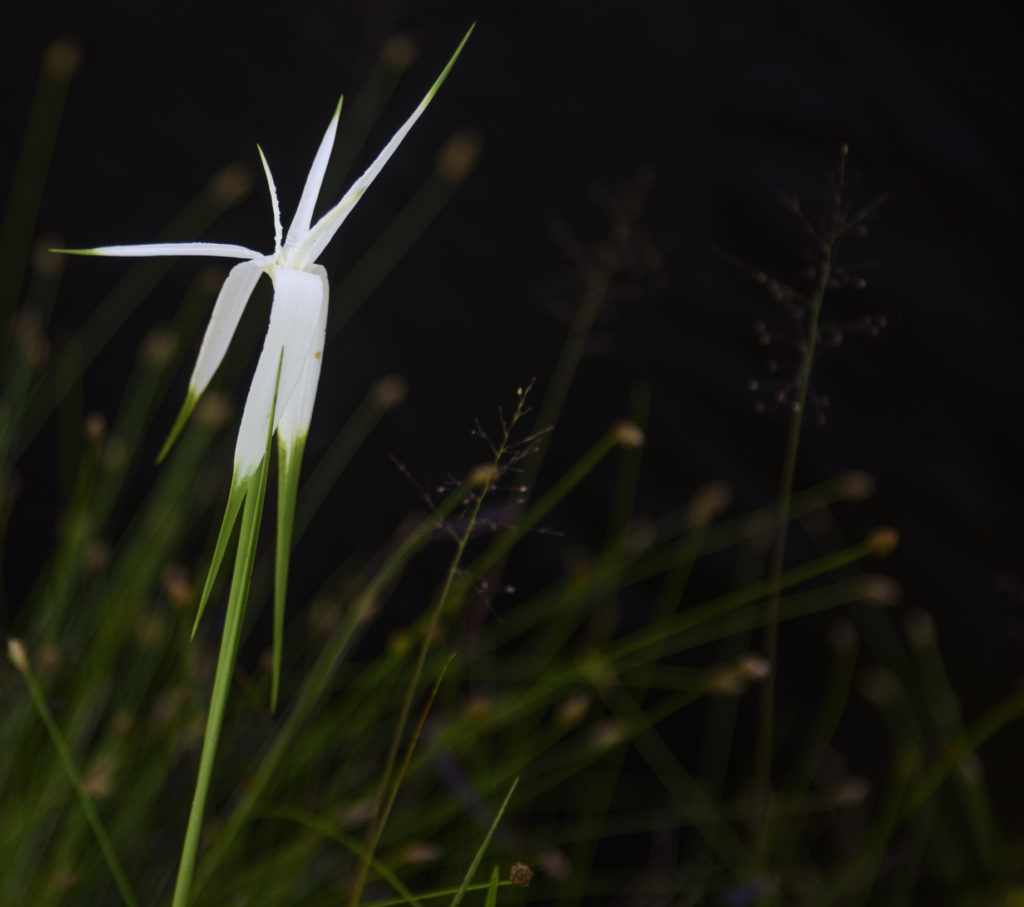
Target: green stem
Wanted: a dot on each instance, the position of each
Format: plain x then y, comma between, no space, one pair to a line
222,679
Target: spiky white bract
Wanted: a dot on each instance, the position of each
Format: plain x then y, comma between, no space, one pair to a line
283,388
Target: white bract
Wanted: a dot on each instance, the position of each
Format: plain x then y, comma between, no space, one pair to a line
295,336
283,388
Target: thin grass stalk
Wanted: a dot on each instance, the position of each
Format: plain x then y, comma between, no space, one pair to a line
59,64
484,478
464,887
20,660
766,702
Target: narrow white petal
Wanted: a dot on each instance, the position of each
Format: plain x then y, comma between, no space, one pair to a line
227,311
211,249
328,225
291,335
304,213
274,203
296,417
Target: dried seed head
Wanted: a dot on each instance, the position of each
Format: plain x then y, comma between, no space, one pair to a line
628,434
388,392
420,853
478,708
607,734
359,813
178,586
98,778
457,157
230,184
399,52
920,629
482,476
159,347
856,485
520,875
707,502
723,680
62,58
883,541
572,709
754,667
18,655
213,410
880,590
850,791
95,428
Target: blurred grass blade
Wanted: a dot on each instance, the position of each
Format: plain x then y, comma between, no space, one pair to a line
483,847
60,62
492,891
19,658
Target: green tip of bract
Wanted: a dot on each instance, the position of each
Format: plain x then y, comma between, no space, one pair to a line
439,81
77,252
337,109
186,410
235,498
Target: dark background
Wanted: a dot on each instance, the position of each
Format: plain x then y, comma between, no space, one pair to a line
725,106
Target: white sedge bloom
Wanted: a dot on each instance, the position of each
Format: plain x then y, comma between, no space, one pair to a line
283,388
284,384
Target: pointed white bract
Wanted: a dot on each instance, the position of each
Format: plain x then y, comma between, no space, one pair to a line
298,411
227,312
152,250
284,384
294,316
314,180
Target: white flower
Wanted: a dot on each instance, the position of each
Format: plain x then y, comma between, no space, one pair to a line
295,336
284,384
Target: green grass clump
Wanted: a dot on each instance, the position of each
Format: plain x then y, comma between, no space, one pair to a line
613,732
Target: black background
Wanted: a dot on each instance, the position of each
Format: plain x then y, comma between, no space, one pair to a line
727,105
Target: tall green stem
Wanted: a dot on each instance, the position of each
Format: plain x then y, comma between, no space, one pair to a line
244,559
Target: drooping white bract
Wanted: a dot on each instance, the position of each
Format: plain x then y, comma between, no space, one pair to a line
284,384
